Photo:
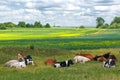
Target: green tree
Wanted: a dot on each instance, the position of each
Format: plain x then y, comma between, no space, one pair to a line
22,24
105,26
116,20
28,25
2,26
82,26
9,24
47,25
37,24
100,22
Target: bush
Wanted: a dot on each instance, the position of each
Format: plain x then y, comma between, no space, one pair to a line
2,28
32,47
82,26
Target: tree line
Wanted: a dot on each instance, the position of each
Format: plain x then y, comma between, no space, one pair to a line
22,24
100,23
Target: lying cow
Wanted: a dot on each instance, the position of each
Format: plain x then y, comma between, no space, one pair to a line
20,64
110,63
16,64
28,60
50,61
81,59
66,63
90,56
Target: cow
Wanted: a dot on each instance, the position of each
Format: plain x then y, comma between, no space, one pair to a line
90,56
16,64
105,57
102,58
110,63
81,59
99,58
50,61
20,64
66,63
28,60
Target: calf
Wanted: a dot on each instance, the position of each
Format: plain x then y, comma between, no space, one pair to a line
66,63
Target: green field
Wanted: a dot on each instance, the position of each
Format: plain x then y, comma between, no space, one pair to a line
61,44
70,38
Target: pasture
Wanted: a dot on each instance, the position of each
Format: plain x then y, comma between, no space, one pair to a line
60,44
40,71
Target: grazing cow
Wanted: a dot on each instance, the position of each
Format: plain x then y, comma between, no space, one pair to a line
110,63
15,63
28,60
66,63
50,61
90,56
81,59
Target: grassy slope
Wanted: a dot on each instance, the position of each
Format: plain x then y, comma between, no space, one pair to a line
89,71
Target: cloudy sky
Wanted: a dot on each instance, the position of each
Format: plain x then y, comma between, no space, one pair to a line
59,12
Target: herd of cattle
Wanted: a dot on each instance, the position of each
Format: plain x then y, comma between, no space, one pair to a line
108,60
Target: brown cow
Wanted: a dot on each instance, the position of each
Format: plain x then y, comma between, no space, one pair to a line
50,61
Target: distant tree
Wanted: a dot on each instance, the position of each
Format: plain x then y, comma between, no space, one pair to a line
37,24
115,23
28,25
47,25
116,20
2,26
113,26
9,24
100,22
105,26
82,26
22,24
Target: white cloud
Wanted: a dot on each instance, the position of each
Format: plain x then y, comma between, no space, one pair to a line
101,8
59,12
30,5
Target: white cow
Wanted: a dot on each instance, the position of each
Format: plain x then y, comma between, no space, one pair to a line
15,63
81,59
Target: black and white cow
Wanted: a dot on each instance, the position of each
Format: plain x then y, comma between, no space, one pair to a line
66,63
110,63
28,60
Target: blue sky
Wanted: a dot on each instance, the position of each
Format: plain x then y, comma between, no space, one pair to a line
59,12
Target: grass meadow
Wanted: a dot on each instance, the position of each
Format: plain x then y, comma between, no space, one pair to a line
89,71
61,44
